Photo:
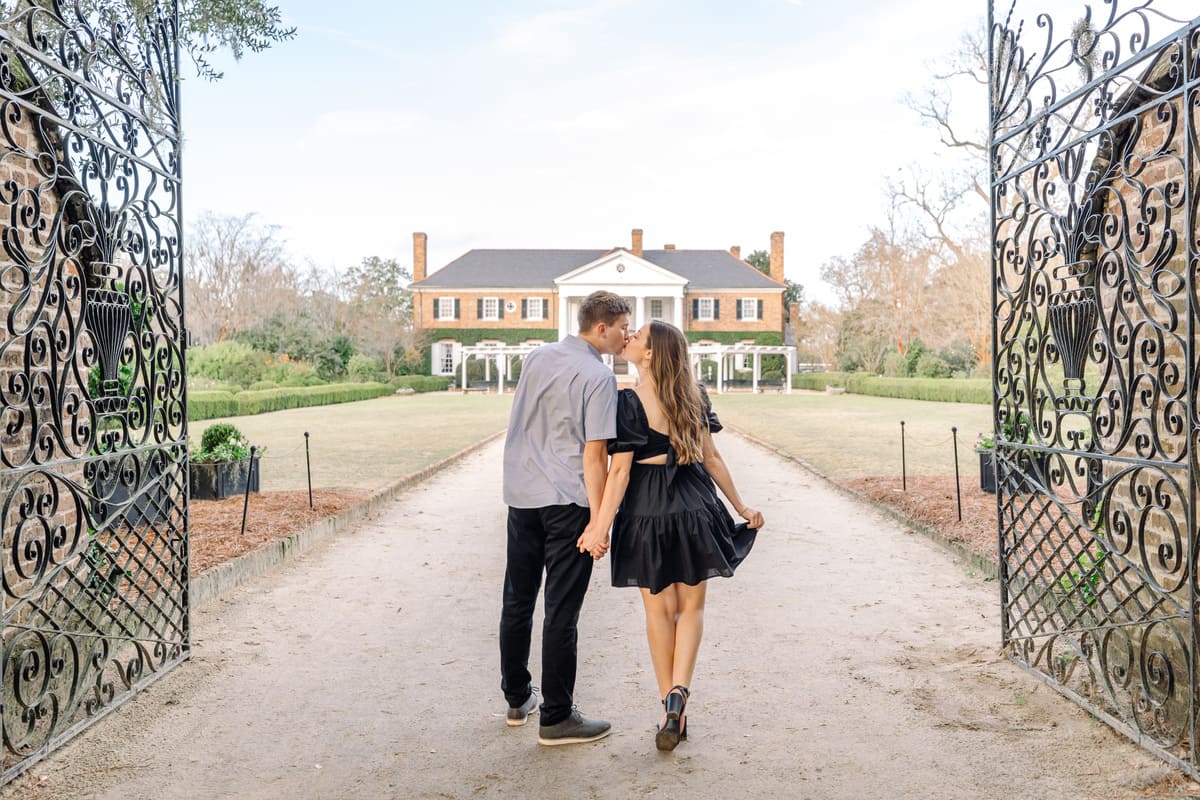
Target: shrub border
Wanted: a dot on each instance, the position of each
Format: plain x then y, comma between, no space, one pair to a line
944,390
210,404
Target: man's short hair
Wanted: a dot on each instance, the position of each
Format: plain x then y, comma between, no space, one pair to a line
603,307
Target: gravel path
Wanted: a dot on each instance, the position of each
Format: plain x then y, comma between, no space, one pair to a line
849,658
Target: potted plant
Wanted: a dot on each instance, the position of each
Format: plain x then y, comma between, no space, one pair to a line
985,447
1030,465
224,465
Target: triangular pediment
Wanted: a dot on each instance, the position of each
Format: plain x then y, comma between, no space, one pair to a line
620,268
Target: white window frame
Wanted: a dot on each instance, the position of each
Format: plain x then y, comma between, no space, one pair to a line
650,308
535,302
445,308
493,314
749,307
445,358
704,309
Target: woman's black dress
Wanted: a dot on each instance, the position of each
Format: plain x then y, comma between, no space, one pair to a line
671,527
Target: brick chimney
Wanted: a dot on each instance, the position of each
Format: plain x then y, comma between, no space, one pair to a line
668,247
777,256
637,242
419,262
735,251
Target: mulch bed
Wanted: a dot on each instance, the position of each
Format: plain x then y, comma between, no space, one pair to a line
216,535
931,501
216,525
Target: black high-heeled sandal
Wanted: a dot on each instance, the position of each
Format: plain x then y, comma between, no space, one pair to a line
668,736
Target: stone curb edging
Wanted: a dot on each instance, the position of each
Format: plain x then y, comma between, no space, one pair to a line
211,584
988,566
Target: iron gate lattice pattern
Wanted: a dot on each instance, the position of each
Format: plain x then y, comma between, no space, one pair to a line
1093,145
93,496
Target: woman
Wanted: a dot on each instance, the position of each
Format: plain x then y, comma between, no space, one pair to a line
670,531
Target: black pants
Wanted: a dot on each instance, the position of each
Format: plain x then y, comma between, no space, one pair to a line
543,538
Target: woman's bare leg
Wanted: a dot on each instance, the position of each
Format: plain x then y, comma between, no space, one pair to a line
661,612
689,630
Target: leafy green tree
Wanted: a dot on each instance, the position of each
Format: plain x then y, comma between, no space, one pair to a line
381,312
205,26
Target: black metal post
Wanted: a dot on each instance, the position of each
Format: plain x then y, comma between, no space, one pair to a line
308,469
903,460
957,487
249,481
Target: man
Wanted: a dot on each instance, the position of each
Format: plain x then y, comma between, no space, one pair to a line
555,462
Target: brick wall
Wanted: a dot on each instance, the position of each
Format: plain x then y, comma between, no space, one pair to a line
772,303
469,307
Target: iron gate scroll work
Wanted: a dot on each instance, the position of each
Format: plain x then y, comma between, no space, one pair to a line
1095,278
93,494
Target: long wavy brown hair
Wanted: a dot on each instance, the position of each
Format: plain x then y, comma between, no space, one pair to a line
678,392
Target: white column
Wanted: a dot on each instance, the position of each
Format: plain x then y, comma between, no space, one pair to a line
789,361
757,363
501,364
464,369
487,370
720,372
677,312
563,328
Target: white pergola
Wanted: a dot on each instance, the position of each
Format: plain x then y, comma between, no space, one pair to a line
499,354
722,353
502,354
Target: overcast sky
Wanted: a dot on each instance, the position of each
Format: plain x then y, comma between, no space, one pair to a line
566,123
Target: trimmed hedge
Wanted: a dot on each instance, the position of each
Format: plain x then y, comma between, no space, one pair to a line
210,405
945,390
422,383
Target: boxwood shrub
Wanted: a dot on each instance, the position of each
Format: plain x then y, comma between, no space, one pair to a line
210,405
422,383
946,390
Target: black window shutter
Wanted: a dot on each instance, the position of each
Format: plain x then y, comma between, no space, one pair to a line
457,309
695,309
738,305
525,309
760,304
716,309
437,303
500,307
479,308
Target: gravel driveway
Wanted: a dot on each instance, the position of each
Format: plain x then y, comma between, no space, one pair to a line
849,658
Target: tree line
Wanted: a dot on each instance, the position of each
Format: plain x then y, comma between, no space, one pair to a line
914,298
241,285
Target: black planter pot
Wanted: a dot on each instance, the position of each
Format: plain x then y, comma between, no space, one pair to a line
987,471
151,498
1032,468
223,479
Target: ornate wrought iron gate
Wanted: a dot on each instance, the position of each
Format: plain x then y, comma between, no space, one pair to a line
93,435
1096,270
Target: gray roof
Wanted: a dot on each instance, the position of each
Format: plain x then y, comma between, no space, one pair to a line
537,269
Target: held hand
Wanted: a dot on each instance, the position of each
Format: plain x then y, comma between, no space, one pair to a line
753,517
594,541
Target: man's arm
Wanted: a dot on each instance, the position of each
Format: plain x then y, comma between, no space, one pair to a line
595,468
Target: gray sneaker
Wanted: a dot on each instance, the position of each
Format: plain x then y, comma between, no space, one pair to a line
519,715
575,729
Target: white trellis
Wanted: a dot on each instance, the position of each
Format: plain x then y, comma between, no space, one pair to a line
499,354
722,353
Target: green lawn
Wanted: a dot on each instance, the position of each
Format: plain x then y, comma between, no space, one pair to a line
856,436
370,443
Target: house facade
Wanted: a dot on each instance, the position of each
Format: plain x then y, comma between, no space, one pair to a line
515,297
